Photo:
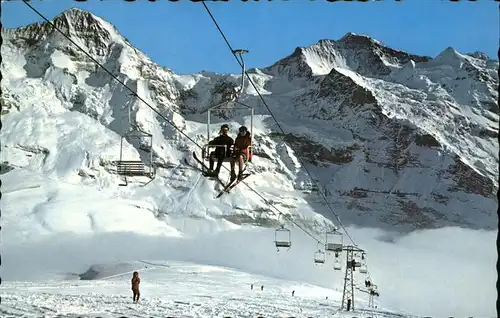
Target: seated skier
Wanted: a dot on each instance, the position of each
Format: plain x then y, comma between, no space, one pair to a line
241,151
220,152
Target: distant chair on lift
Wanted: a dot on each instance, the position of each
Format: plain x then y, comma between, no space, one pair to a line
334,241
282,238
337,265
319,256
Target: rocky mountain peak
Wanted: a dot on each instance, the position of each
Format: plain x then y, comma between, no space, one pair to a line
292,66
80,25
81,21
360,53
479,55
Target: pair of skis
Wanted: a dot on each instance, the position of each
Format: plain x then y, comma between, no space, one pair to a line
227,187
203,171
233,184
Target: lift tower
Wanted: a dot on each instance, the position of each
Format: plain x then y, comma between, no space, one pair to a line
351,264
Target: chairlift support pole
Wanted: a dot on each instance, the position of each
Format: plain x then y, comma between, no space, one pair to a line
348,291
239,53
208,125
121,148
129,118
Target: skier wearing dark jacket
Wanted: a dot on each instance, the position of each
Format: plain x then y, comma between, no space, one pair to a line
135,286
224,145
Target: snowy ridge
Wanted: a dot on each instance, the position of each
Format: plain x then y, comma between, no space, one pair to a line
469,82
399,142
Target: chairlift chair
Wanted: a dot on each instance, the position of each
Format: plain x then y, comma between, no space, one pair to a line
363,268
319,257
136,168
207,149
334,241
282,238
337,265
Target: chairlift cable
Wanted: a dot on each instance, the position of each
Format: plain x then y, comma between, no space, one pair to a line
160,115
275,120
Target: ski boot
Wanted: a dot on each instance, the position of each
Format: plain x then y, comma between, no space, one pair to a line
213,173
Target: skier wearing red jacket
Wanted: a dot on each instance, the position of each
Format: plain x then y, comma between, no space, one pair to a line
242,151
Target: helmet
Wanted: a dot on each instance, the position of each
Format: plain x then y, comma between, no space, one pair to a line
243,129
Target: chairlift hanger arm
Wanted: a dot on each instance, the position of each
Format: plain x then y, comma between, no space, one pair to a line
242,62
216,106
137,134
240,51
221,104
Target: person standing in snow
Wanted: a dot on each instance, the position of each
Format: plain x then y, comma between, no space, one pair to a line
220,152
135,286
241,151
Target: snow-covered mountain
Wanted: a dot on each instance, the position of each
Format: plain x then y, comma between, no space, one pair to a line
397,140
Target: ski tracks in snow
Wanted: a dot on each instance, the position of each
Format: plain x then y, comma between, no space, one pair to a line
66,302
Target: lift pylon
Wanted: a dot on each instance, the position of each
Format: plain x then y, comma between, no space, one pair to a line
348,292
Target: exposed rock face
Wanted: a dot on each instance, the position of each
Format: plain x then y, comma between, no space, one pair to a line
470,181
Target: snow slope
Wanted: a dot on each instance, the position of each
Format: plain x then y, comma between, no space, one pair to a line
51,228
174,289
399,143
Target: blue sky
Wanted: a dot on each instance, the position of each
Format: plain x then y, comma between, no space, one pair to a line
181,35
